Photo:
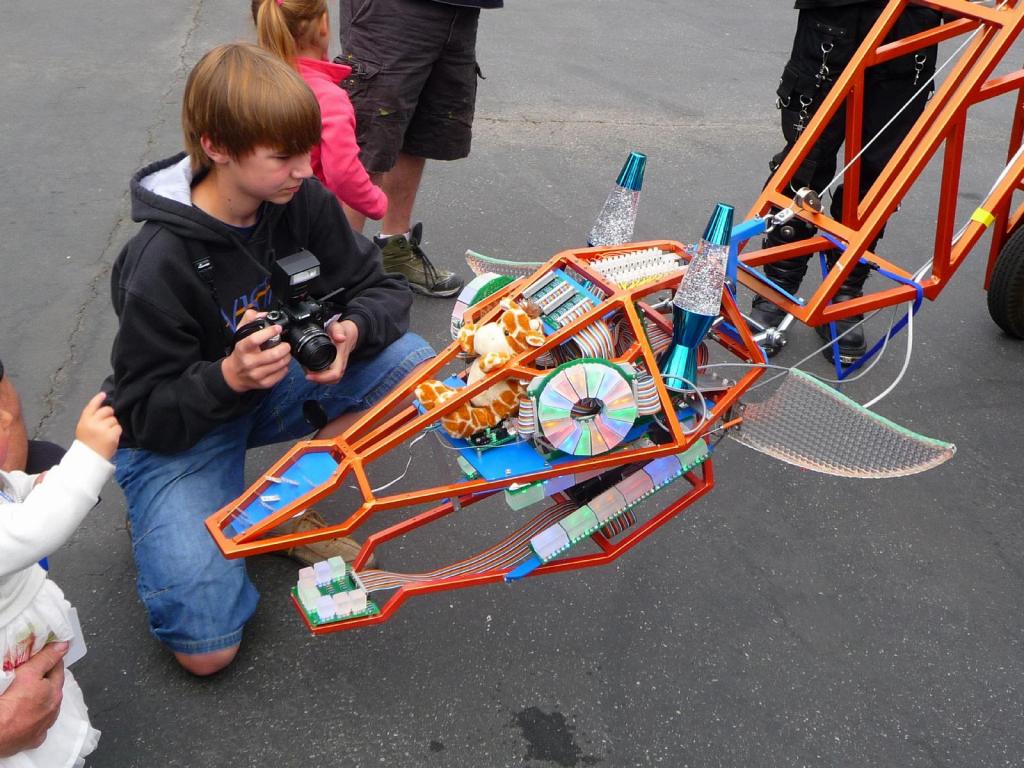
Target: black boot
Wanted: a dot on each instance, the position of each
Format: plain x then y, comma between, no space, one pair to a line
851,342
849,330
787,274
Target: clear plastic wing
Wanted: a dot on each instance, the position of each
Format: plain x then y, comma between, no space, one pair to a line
808,423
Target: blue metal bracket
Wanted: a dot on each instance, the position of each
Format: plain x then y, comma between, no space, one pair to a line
841,372
741,233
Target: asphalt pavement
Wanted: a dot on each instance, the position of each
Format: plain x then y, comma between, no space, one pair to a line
787,619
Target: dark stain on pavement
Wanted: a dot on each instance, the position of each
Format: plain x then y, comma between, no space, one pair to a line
549,738
436,746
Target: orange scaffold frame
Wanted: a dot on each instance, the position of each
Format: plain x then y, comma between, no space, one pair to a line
387,426
989,34
942,126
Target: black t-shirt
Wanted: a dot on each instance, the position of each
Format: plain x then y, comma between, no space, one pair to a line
244,233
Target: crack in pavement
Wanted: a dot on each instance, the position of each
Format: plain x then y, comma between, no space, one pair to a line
666,124
59,378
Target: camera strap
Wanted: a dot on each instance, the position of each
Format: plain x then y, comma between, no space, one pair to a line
203,266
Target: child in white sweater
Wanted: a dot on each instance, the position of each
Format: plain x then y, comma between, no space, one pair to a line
38,513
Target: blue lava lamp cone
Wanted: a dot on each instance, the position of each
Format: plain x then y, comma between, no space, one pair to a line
679,362
617,218
697,301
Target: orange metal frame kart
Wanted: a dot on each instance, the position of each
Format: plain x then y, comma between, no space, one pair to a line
391,424
942,126
242,528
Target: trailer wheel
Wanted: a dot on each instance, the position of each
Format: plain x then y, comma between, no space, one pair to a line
1006,289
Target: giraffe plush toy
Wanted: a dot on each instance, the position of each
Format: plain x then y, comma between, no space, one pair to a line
494,344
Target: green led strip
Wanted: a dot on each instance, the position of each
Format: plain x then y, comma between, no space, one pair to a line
314,618
685,466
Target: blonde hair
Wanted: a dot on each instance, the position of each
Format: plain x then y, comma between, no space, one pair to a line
280,25
241,97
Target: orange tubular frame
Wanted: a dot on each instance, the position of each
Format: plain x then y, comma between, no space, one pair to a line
989,33
942,125
387,426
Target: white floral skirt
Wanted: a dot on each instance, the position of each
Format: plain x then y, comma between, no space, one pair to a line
71,738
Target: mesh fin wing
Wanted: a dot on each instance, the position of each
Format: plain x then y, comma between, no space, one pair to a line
810,424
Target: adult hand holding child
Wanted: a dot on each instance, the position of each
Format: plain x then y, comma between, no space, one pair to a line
32,702
43,716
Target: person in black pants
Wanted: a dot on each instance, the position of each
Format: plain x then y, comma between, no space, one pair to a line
828,32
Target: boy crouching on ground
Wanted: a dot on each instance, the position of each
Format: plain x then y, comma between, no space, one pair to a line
216,220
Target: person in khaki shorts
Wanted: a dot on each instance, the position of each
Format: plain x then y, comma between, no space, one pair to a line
413,86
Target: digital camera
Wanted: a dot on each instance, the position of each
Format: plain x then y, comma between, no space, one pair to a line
300,316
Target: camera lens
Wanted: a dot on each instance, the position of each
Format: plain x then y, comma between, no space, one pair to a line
312,347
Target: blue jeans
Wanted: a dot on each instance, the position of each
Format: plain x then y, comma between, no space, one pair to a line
197,600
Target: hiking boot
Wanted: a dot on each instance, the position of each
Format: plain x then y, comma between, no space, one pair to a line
313,552
403,254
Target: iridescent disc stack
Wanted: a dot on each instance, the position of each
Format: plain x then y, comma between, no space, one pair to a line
475,291
586,407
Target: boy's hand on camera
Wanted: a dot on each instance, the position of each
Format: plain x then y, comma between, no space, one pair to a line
345,335
98,427
248,366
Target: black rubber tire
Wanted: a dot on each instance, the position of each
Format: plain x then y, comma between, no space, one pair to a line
1006,289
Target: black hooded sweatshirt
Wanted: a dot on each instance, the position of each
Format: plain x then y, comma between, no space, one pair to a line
174,328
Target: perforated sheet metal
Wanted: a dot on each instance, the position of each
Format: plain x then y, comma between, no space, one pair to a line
808,423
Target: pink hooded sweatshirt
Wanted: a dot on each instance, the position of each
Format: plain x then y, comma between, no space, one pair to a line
336,159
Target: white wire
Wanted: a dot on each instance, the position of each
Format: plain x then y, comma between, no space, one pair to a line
916,277
703,407
924,268
796,366
408,463
900,111
927,267
906,363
